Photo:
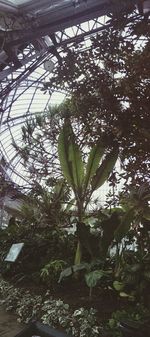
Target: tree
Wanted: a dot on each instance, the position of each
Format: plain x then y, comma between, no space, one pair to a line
109,100
109,90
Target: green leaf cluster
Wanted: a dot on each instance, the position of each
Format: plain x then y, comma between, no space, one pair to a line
84,179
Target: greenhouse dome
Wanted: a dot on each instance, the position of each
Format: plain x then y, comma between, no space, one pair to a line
74,168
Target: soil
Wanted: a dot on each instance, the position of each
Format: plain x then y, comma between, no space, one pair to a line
104,301
76,294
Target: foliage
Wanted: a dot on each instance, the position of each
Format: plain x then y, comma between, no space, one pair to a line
40,245
29,307
83,180
94,277
109,98
131,271
69,271
109,225
80,322
135,203
7,187
26,305
79,177
10,295
51,271
107,110
125,225
39,149
138,314
137,198
109,85
44,206
134,277
92,273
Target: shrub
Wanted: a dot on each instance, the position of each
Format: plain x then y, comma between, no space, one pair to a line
80,323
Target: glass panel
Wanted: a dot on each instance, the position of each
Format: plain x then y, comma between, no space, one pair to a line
19,2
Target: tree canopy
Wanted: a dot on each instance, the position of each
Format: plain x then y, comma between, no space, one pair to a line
108,85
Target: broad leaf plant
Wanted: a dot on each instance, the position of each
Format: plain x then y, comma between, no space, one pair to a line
83,178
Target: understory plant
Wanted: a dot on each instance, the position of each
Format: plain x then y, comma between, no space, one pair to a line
132,270
49,247
51,271
80,322
135,205
94,274
84,179
133,279
138,314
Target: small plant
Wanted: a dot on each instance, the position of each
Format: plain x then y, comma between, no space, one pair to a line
55,313
94,277
139,314
51,271
10,295
79,323
134,277
85,323
29,307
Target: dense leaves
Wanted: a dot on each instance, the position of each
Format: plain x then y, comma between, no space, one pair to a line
109,84
83,183
109,99
106,116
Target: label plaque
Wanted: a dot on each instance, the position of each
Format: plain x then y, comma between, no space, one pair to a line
14,252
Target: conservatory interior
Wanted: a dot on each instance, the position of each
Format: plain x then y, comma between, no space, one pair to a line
74,168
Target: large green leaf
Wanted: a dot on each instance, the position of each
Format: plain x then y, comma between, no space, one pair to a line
63,153
65,273
75,158
95,155
73,269
104,170
118,285
123,228
93,277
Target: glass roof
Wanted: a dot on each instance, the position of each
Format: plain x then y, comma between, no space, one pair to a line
18,2
28,100
21,88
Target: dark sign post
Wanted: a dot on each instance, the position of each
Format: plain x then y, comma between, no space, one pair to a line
14,252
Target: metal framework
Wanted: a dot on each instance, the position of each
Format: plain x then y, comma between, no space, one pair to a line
31,34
